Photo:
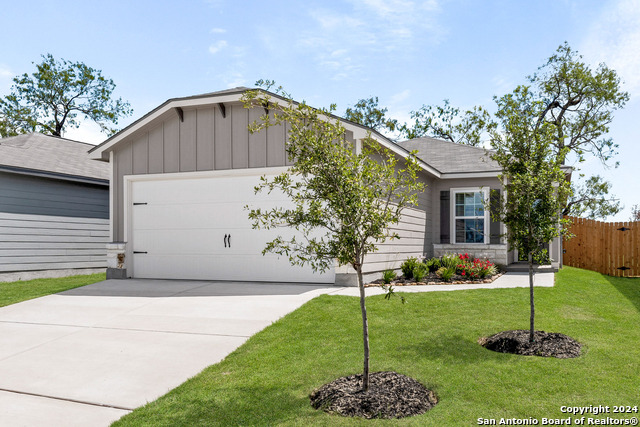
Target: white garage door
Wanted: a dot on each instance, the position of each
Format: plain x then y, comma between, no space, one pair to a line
197,228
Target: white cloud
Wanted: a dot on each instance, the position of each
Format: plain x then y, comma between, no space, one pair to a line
400,97
615,40
88,132
218,31
5,78
235,80
218,46
344,42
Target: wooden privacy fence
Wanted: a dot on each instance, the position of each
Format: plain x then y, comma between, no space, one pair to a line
606,247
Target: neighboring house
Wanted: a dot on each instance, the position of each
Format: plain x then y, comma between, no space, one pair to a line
54,207
183,173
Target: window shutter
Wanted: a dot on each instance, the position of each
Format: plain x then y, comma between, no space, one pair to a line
445,218
494,230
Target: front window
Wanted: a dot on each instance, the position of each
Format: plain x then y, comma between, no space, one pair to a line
469,219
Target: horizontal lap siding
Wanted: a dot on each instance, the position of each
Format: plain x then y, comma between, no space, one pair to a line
41,242
205,140
24,194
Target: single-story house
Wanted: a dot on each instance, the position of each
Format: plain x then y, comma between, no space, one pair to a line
181,175
54,208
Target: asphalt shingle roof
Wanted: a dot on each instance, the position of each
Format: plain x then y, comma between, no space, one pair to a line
45,153
448,157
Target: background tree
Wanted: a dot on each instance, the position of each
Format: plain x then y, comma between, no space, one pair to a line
57,96
590,199
367,112
531,176
445,122
635,213
344,201
579,103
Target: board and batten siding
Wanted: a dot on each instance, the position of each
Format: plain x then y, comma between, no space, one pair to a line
204,140
46,242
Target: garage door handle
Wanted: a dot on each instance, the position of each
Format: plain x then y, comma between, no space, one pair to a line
229,239
139,252
225,240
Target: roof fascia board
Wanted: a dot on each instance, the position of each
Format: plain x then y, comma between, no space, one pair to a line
54,175
458,175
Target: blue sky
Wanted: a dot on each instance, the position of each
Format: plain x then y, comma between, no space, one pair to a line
408,53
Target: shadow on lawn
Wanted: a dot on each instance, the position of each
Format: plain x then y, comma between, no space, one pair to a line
238,406
453,350
629,287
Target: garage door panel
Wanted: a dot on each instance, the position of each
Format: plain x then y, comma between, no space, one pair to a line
181,227
208,190
224,267
196,215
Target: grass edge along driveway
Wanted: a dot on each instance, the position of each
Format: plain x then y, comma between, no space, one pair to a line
432,338
14,292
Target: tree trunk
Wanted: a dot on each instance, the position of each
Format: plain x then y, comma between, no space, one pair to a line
533,310
365,330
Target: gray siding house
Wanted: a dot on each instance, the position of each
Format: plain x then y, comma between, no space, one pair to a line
54,207
182,174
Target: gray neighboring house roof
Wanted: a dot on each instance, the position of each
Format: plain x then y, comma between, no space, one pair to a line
44,155
448,157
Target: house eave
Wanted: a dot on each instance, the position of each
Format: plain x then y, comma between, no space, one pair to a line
470,174
54,175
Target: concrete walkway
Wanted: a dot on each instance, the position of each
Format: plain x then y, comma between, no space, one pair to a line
88,356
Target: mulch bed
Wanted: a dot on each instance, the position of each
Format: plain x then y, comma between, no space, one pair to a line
390,395
546,344
433,279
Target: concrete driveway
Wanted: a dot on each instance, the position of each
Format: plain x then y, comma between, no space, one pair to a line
88,356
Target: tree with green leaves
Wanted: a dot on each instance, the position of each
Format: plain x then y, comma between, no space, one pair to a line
367,112
591,199
344,197
445,122
57,96
533,180
579,104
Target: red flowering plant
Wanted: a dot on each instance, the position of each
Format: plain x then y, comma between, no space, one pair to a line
474,269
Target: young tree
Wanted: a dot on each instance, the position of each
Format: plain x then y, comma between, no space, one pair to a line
56,96
442,122
367,112
343,200
534,183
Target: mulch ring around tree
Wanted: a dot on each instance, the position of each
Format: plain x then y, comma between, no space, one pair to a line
390,395
546,344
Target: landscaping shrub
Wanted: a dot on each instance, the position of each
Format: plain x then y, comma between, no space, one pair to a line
476,269
432,264
408,266
388,276
419,271
450,261
446,273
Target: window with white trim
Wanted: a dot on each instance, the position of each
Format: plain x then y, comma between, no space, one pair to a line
470,222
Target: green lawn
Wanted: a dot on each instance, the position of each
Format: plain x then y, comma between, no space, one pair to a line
433,339
13,292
